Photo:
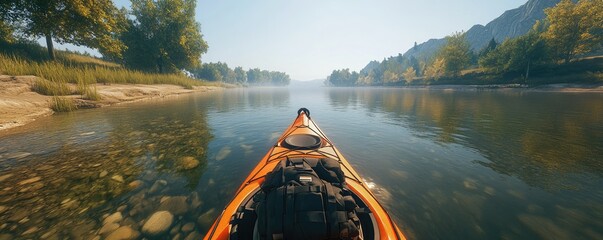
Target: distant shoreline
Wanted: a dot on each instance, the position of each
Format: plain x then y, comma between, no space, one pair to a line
558,87
19,105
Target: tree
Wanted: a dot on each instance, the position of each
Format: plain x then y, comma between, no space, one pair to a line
488,48
265,78
366,79
574,28
410,74
518,54
414,63
209,72
279,78
253,76
163,36
343,77
456,53
436,69
89,23
240,75
390,76
227,74
6,32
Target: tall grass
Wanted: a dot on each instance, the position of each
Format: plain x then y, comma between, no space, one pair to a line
62,104
59,73
51,88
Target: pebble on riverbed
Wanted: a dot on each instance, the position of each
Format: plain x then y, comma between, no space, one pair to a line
187,163
176,205
31,180
158,223
118,178
113,218
135,184
123,233
157,186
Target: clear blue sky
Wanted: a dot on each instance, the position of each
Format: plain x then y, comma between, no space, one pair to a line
309,38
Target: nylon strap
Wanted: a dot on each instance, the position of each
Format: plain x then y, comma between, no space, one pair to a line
289,223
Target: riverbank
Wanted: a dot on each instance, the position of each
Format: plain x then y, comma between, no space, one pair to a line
561,87
20,105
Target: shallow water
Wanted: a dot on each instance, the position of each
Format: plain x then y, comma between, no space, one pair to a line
446,164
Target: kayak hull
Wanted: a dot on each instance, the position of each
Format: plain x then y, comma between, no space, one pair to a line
303,125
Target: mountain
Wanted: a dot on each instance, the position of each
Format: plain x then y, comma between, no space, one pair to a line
510,24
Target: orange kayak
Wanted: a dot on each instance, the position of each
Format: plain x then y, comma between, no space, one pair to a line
302,140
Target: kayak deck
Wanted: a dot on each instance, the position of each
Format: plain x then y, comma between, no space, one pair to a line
302,139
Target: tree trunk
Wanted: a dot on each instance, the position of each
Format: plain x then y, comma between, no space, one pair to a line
160,62
49,45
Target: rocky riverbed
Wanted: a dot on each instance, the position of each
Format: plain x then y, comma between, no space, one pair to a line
137,181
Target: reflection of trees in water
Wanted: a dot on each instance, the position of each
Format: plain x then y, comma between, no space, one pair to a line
539,137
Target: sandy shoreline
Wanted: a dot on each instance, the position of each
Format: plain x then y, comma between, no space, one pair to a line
19,105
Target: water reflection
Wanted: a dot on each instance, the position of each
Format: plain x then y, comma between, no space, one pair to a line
438,140
519,133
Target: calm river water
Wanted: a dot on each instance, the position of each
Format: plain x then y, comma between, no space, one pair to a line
446,164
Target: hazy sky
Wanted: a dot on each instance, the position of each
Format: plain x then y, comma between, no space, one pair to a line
309,38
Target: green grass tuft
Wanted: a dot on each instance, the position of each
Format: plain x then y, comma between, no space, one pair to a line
62,104
90,93
50,88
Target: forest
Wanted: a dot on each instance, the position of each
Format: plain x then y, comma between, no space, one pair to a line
565,45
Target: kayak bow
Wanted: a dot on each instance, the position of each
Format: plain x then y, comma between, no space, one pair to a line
303,139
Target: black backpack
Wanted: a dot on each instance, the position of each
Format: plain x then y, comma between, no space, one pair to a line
306,199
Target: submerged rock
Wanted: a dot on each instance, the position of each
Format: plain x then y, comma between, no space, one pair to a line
193,236
223,153
188,227
31,180
157,186
103,173
107,228
195,200
5,176
117,178
123,233
176,205
113,218
206,218
187,163
30,231
51,234
158,223
135,184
